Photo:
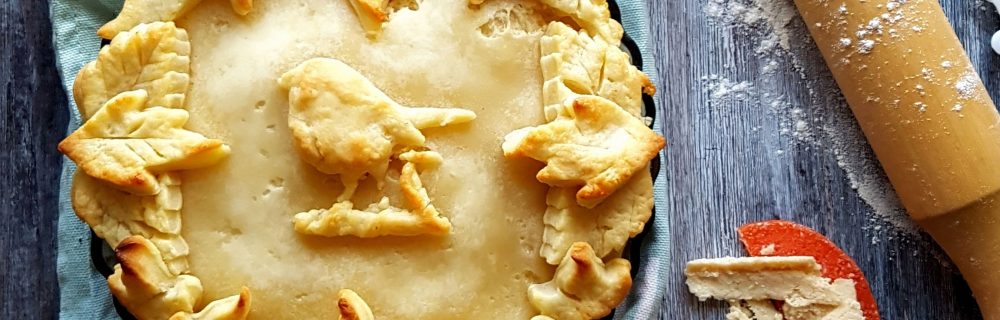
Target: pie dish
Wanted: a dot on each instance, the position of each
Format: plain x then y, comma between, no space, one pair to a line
315,159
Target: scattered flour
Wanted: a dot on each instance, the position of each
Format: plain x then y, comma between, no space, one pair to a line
966,85
770,67
722,90
957,108
824,122
773,15
865,46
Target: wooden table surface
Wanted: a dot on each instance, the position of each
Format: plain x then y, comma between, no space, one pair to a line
32,122
725,165
730,163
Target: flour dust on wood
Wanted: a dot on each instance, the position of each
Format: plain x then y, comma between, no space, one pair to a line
818,119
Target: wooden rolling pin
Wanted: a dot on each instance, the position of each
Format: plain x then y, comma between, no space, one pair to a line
929,119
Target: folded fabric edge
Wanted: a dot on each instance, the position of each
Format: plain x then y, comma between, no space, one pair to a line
83,292
645,300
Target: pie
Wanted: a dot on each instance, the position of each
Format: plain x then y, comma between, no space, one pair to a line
392,159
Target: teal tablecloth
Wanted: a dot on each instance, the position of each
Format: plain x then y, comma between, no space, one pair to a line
84,292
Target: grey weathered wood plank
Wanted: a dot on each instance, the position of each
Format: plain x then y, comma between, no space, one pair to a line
33,120
729,164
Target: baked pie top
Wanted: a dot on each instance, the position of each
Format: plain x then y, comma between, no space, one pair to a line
321,146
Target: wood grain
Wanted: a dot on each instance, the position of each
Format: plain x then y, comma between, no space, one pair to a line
730,164
723,169
33,121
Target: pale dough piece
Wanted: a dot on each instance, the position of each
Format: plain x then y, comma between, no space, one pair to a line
419,217
606,227
352,307
597,146
371,14
127,144
343,124
236,214
136,12
752,310
133,138
425,159
623,83
574,63
593,15
584,287
153,57
772,277
795,280
242,7
142,283
848,309
115,215
571,65
230,308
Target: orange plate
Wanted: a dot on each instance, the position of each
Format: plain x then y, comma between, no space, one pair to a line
791,239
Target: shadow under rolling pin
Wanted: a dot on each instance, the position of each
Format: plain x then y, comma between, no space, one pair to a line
929,119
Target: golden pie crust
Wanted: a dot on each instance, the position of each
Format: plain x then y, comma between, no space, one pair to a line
456,227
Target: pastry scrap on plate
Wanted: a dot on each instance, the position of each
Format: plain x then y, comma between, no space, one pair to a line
791,263
794,280
324,149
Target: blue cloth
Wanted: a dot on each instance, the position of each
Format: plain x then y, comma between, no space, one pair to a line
650,283
84,292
